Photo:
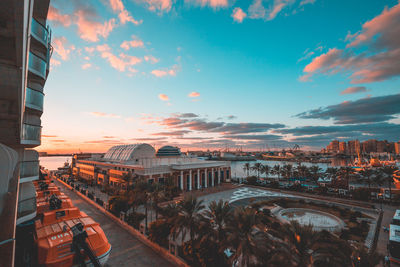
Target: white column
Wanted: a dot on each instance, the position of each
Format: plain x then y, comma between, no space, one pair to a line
212,177
206,178
219,175
182,180
198,178
190,180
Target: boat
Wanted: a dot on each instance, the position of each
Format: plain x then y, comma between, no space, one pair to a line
53,202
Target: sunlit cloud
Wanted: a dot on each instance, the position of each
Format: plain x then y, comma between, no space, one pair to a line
123,14
61,47
353,90
151,59
211,3
120,62
238,15
132,44
158,5
163,97
58,18
89,29
165,72
86,66
104,115
194,94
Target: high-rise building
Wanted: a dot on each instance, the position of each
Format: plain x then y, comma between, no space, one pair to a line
397,148
342,147
333,146
24,65
353,147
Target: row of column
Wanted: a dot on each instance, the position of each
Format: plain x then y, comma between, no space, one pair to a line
190,184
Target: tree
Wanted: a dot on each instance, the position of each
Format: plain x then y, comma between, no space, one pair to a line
367,173
246,168
266,169
187,219
346,173
257,167
315,173
277,170
388,172
219,213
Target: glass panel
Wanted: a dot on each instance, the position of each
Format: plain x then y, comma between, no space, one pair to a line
39,32
31,132
26,207
34,99
37,65
29,168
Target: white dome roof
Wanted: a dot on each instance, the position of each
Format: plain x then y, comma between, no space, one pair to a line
130,152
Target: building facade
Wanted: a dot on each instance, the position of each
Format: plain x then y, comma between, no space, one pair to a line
140,161
25,41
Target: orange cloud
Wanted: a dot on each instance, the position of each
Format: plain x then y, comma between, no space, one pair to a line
162,5
151,59
163,97
162,73
86,66
121,62
89,29
104,115
194,94
238,15
353,90
124,16
213,3
58,18
61,48
132,44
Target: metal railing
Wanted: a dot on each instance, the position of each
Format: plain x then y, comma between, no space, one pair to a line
37,65
34,99
39,32
31,132
29,169
26,207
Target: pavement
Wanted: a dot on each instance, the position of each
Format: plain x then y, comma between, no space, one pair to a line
127,250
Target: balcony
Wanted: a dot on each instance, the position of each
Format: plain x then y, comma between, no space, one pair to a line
37,65
31,134
29,167
34,99
26,203
39,32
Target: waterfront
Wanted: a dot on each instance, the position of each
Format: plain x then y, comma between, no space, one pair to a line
52,163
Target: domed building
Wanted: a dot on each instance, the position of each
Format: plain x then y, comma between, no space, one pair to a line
169,151
124,163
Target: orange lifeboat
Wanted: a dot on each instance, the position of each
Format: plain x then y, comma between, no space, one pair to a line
396,179
52,191
60,241
53,202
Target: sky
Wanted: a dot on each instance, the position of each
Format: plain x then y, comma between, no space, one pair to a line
218,74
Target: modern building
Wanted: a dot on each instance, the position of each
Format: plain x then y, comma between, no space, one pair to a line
397,148
142,161
25,41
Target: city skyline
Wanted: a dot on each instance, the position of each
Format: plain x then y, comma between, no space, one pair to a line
218,73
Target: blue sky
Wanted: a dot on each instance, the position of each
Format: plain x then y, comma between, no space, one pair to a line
122,72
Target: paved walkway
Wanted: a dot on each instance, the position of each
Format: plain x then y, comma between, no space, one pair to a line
126,249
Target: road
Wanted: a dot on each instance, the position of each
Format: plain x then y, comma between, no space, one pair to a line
126,249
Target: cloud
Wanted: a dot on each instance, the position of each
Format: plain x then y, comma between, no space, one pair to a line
258,11
211,3
172,133
238,15
187,115
151,59
365,110
89,29
371,55
353,90
54,63
163,97
104,115
132,44
86,66
231,117
165,72
58,18
62,48
49,136
306,56
261,137
194,94
158,5
90,50
123,14
121,62
306,2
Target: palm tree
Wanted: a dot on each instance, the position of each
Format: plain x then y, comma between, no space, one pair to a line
388,172
315,173
346,173
188,218
266,170
257,167
247,168
331,172
277,170
367,173
219,213
242,231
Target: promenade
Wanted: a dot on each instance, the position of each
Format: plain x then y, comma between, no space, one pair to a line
127,250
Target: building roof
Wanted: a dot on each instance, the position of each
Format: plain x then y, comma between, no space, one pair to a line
394,233
168,151
129,152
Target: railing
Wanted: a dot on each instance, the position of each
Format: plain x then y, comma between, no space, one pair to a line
39,32
29,169
34,99
31,133
26,207
37,65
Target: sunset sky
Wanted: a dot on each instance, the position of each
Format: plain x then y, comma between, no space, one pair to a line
212,74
